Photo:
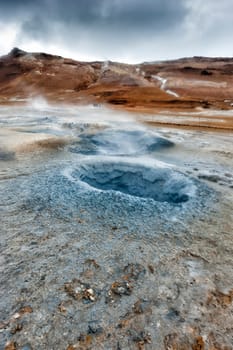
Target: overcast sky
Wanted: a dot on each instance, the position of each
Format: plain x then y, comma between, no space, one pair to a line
121,30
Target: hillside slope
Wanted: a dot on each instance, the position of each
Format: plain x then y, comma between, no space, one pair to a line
185,85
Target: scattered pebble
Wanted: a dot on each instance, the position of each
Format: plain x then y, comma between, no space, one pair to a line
121,288
10,346
80,291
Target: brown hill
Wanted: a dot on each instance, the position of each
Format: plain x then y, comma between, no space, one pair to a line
178,85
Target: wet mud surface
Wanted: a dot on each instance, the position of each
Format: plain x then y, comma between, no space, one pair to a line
113,235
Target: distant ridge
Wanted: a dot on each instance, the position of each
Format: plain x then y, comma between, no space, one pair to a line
182,84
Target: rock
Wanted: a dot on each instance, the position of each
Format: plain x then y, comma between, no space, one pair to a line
10,346
92,262
121,288
16,328
123,323
170,341
89,294
6,155
25,310
61,307
199,344
84,342
173,314
209,177
80,291
94,328
134,271
16,52
118,289
140,338
174,342
218,298
141,306
206,72
151,268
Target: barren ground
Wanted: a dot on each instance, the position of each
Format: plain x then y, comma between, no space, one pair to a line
116,224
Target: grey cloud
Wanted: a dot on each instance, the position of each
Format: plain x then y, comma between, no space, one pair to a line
141,29
104,25
126,13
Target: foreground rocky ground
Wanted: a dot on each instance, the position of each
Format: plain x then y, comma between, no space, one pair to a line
92,259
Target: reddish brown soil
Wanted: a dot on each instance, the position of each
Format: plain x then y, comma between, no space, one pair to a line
204,84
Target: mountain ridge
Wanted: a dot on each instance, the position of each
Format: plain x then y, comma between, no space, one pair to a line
175,85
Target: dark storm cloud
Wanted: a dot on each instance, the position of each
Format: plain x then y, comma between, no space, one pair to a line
126,12
38,16
131,30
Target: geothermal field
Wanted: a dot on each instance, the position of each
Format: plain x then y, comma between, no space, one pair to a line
116,223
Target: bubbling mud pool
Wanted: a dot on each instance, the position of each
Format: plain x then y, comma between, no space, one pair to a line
113,235
163,185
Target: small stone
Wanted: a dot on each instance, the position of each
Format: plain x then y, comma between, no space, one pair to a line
3,325
140,337
134,271
95,328
25,310
151,268
16,315
209,177
175,341
199,344
71,347
118,346
123,323
141,306
89,294
80,291
61,307
93,263
228,175
10,346
121,288
17,328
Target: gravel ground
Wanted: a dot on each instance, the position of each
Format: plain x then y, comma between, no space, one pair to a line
100,262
